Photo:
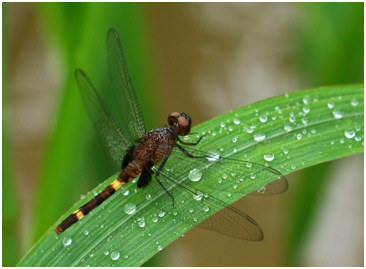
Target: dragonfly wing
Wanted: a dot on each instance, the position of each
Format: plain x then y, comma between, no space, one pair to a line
114,140
193,206
129,111
229,175
275,187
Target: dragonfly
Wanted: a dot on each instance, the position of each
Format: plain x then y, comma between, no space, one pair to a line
137,153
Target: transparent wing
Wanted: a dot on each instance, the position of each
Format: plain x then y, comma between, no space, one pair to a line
113,139
234,175
129,113
193,206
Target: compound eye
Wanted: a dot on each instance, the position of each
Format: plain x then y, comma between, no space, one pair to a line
174,114
183,121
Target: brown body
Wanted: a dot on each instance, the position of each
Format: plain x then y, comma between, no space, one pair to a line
153,148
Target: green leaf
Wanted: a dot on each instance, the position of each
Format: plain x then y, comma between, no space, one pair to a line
301,129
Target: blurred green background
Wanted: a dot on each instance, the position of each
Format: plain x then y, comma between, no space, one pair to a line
201,58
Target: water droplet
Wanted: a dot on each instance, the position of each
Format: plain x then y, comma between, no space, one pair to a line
206,208
67,241
252,175
190,210
304,120
126,192
250,130
161,214
292,119
106,252
341,141
299,136
269,156
222,124
235,139
330,105
148,196
259,137
86,232
141,222
115,255
263,118
213,133
248,165
358,138
91,255
126,256
306,100
236,121
350,133
306,109
155,218
230,128
337,114
261,190
82,196
213,155
287,127
354,102
285,151
130,209
160,248
195,175
198,196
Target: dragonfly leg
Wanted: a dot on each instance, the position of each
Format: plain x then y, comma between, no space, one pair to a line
189,154
192,143
157,178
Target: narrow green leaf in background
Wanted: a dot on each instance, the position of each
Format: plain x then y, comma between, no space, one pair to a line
297,130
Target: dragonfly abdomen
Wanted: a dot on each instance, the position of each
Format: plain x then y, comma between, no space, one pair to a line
129,173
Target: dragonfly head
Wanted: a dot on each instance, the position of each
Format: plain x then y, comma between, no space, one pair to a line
180,123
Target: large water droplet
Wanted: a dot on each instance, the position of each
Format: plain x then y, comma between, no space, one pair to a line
195,175
67,241
269,156
130,209
350,133
259,137
213,155
337,114
115,255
